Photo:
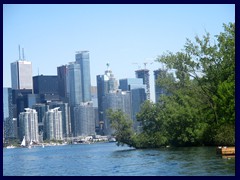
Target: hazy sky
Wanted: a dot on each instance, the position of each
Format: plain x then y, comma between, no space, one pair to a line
118,34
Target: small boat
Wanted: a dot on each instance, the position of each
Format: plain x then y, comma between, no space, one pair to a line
112,139
42,145
23,144
225,150
10,147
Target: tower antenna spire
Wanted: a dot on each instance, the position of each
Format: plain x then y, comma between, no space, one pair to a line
23,53
19,51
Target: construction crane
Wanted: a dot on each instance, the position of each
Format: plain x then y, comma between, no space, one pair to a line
144,63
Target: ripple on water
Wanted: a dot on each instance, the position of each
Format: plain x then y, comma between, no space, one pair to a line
110,160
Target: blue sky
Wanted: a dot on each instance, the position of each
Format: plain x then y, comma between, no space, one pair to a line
118,34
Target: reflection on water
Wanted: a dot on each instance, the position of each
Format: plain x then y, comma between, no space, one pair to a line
107,159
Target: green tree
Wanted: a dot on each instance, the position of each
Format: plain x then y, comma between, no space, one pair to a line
122,126
205,74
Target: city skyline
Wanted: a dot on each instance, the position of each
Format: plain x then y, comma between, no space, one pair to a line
122,35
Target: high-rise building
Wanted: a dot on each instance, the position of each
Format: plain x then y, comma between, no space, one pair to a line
138,95
159,91
54,124
105,83
144,74
29,125
115,100
84,119
62,82
21,75
8,120
64,108
94,96
20,101
75,84
46,87
82,57
43,84
41,110
131,83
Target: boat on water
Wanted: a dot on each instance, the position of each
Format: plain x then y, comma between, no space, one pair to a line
224,150
112,139
23,144
11,147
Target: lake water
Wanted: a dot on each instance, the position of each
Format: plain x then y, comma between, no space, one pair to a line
107,159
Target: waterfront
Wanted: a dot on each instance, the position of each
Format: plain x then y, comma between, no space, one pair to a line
107,159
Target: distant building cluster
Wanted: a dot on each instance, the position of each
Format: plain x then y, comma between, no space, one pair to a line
55,107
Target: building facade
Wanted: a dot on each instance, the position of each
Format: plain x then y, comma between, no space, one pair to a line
105,84
144,74
66,123
115,100
54,124
75,84
8,120
82,58
21,75
29,125
62,82
84,119
159,90
41,109
138,95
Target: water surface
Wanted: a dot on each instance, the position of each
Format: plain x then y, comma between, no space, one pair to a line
107,159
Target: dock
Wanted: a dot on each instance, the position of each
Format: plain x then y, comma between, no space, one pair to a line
224,150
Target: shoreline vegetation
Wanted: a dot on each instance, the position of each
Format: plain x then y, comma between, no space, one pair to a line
198,106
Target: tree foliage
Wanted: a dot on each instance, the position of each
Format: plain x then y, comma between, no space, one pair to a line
199,106
122,126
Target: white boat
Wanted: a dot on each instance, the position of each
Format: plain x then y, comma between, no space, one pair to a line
23,144
30,144
42,145
10,147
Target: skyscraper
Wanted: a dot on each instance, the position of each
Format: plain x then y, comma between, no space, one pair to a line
144,74
84,119
21,75
82,57
138,95
62,82
64,108
75,84
159,91
54,124
8,120
29,125
105,83
41,110
115,100
46,87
